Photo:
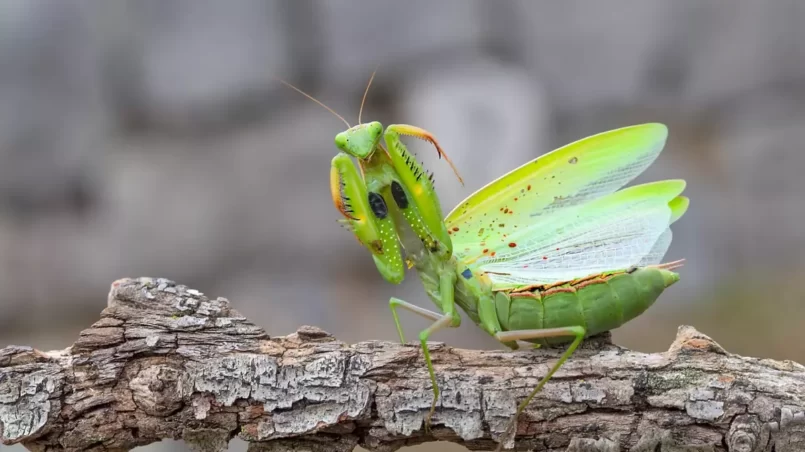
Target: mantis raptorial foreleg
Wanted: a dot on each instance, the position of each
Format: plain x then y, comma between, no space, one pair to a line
423,213
508,336
367,215
395,130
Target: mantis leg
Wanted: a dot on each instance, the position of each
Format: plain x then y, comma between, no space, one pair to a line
450,319
414,193
414,131
444,322
395,303
508,336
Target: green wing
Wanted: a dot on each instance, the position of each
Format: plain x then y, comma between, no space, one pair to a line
562,179
619,230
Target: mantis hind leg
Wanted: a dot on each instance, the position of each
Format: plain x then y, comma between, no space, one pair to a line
578,331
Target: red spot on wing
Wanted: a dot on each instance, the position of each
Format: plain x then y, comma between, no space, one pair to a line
512,245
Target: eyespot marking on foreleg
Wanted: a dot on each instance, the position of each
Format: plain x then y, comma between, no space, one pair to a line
398,194
378,205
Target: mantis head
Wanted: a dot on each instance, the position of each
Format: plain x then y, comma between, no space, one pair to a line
360,141
365,213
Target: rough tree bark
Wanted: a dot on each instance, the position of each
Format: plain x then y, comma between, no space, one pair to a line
164,361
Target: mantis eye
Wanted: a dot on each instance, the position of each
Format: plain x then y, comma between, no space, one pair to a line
342,141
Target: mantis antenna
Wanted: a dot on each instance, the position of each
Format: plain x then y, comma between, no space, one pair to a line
365,92
315,100
403,130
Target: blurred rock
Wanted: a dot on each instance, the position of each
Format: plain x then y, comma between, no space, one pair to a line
761,156
741,49
51,106
489,117
393,36
193,65
590,53
197,211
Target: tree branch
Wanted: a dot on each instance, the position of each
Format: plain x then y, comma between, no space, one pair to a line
164,361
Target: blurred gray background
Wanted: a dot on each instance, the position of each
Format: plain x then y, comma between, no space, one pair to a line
151,138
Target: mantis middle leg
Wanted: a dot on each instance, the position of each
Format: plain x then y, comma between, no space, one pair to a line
450,319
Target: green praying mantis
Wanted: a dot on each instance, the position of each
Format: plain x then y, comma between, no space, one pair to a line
550,253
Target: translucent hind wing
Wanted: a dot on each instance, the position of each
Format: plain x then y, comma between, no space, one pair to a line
619,245
679,206
611,233
564,178
657,252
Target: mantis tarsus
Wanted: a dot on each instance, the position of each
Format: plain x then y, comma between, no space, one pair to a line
549,253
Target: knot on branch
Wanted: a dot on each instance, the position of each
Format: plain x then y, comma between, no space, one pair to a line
689,339
159,389
166,361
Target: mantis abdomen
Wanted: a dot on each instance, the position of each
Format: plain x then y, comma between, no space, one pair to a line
600,303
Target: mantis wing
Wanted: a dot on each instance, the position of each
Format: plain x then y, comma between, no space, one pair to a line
617,231
566,177
679,206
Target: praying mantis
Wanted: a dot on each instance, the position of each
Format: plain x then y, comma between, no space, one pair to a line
550,253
